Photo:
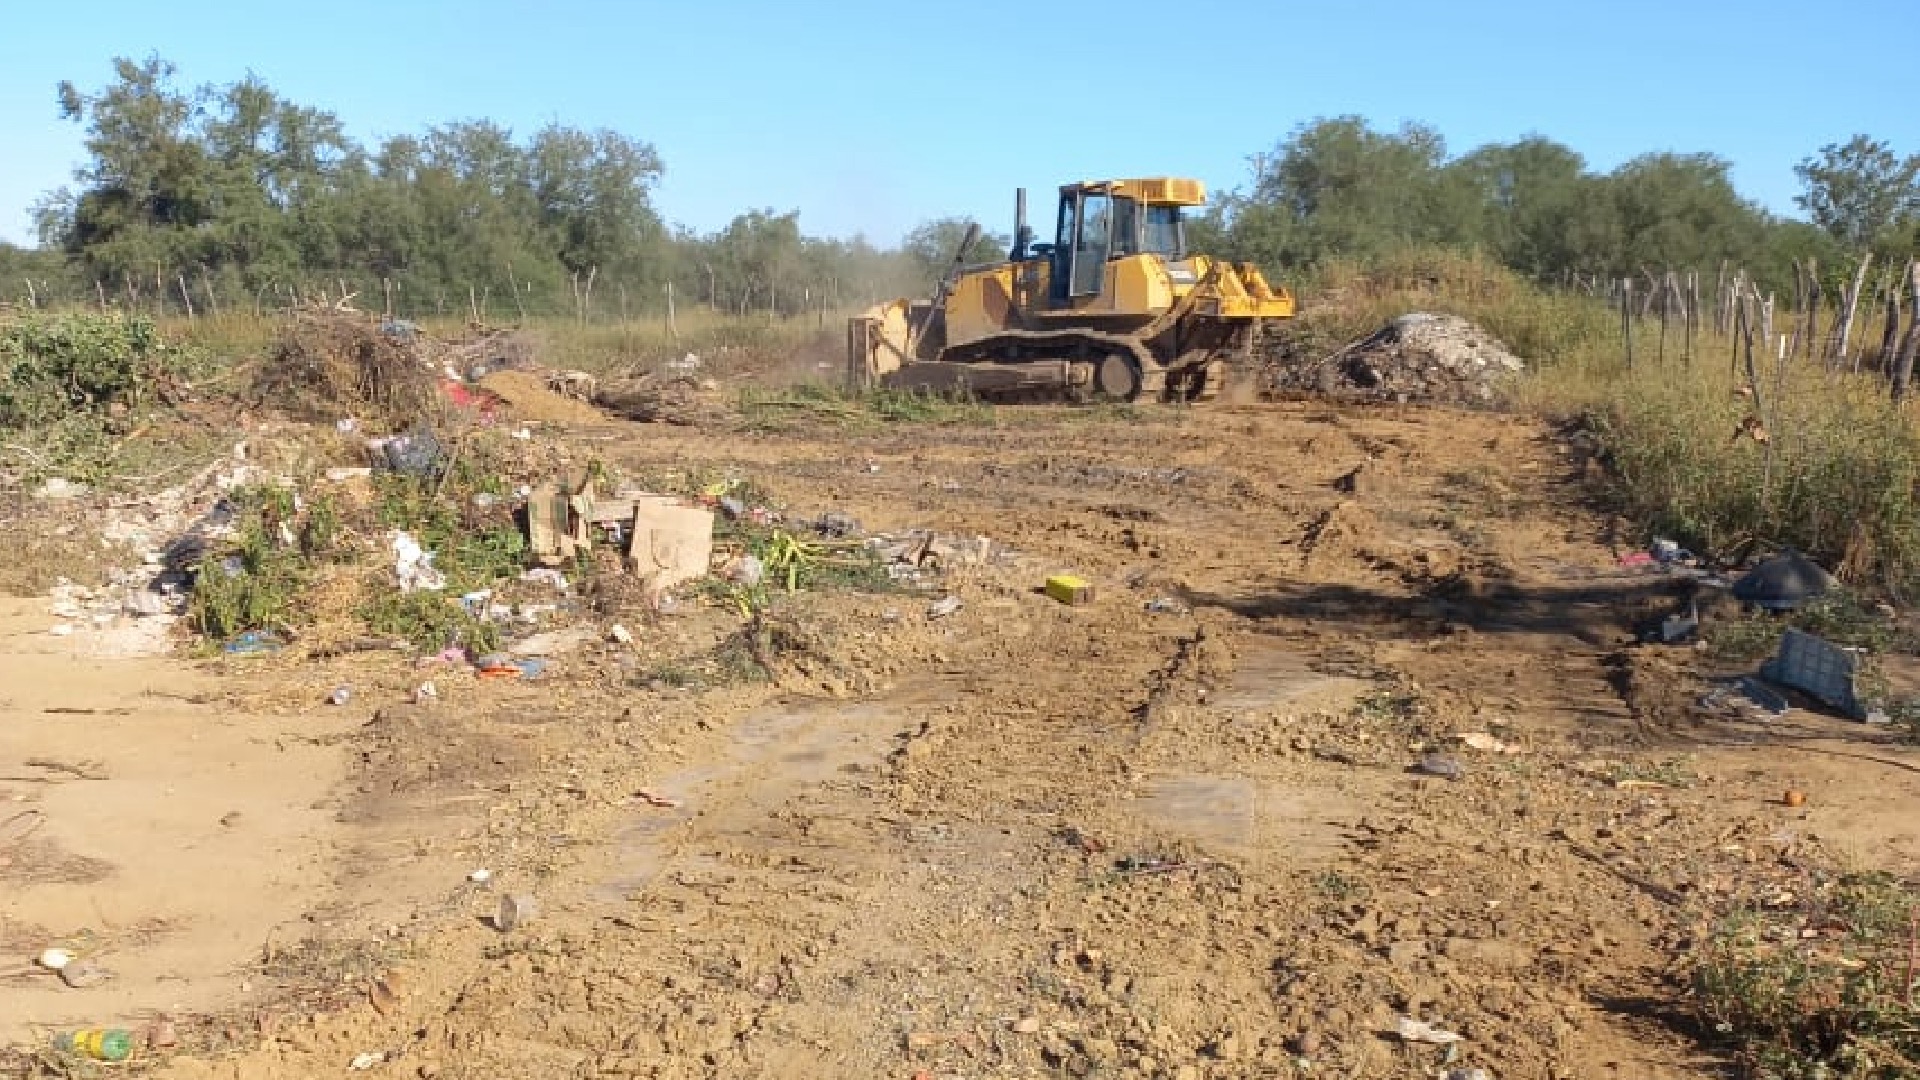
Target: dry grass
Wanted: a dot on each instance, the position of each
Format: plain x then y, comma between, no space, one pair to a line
1835,475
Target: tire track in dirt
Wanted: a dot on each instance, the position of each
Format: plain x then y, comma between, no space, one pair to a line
993,867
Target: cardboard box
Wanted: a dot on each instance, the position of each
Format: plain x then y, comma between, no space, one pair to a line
671,543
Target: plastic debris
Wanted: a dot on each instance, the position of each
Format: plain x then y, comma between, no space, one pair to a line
1665,551
1069,589
1483,741
746,571
620,634
413,565
80,974
425,692
341,695
253,643
1166,605
515,911
1420,1031
1820,668
548,576
416,453
1783,582
480,876
54,959
1440,765
944,607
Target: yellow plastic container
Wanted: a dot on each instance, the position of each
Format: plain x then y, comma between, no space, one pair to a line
1069,589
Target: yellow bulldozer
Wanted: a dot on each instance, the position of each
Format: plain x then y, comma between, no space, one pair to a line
1116,308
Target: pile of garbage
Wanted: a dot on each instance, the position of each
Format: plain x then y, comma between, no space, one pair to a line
134,611
1418,357
330,363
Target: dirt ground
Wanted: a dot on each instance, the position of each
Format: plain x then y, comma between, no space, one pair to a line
1174,832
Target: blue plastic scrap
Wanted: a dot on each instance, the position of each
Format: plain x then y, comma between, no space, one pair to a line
1820,668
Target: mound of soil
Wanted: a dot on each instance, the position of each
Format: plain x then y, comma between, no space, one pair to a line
527,398
1416,357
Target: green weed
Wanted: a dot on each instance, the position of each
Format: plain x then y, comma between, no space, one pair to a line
815,402
430,620
255,582
1671,772
74,390
1823,989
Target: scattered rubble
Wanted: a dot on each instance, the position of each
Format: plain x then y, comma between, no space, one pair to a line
1418,357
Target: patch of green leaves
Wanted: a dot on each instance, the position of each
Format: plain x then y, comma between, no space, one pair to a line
815,403
1822,990
254,582
430,620
72,386
476,542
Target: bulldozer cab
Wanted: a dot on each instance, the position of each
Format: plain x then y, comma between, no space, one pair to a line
1100,222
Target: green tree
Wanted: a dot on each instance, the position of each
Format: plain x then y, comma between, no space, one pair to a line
1674,210
932,247
148,185
1860,192
1541,212
1338,188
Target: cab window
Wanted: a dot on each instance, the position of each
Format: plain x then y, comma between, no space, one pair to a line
1164,232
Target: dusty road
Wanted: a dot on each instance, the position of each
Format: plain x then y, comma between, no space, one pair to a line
1175,839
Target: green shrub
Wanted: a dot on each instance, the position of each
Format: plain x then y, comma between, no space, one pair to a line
57,365
1820,990
256,581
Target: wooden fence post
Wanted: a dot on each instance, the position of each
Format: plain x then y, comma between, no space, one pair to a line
1850,305
1890,337
1626,317
1903,365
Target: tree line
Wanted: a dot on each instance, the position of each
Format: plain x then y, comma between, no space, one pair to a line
235,196
1341,189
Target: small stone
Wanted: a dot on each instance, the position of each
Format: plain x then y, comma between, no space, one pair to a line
382,997
81,974
1307,1043
1102,1052
1227,1049
1026,1025
1187,1072
514,911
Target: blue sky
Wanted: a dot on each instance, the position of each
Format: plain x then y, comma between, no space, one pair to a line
870,117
